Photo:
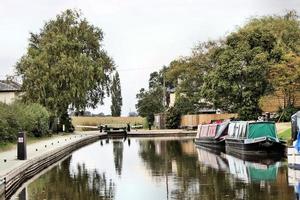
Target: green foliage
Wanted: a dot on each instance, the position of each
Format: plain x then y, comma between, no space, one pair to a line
250,63
65,120
32,118
116,96
66,65
173,116
9,126
188,73
149,103
285,114
183,105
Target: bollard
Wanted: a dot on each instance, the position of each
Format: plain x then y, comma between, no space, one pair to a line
128,127
21,149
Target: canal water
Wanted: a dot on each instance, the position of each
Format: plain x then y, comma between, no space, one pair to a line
159,169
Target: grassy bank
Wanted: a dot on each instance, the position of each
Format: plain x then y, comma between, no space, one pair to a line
285,135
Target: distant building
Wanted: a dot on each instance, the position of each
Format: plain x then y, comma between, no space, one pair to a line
9,91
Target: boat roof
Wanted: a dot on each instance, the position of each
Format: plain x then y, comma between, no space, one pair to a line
252,129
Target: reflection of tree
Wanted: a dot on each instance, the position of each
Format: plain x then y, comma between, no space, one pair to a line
60,183
118,155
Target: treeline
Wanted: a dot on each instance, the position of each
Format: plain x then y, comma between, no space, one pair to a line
231,74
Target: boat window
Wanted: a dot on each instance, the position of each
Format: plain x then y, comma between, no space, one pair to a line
204,130
231,129
199,131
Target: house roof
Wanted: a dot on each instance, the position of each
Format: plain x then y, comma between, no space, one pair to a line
9,86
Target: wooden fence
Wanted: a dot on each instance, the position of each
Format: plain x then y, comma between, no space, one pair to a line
194,120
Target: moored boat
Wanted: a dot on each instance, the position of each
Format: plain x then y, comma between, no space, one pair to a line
212,135
254,139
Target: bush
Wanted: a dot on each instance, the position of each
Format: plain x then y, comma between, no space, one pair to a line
31,118
9,126
249,112
284,115
173,117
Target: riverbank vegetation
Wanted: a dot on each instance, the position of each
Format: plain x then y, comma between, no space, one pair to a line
31,118
234,73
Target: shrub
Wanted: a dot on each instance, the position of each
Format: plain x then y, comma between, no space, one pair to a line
284,115
173,117
9,126
31,118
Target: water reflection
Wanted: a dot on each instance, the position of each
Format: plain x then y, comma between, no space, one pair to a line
294,180
249,179
61,183
160,169
118,155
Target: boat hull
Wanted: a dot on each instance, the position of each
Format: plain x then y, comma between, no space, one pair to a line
261,148
210,143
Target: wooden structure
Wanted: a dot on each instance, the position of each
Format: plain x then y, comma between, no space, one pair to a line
272,103
160,121
192,121
115,130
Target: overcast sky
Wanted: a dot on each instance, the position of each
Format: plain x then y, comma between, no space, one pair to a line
140,35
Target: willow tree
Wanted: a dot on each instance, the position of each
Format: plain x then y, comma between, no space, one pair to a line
65,65
116,96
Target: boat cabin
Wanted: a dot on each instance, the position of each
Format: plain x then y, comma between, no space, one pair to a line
252,130
212,130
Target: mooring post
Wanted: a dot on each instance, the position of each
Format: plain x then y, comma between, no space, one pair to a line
128,127
21,149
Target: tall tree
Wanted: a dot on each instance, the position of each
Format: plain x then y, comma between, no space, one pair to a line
116,96
259,58
65,65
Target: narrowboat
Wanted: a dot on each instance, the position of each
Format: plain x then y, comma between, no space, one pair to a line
212,135
254,139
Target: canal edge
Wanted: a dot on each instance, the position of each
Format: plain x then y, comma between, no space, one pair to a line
13,180
10,182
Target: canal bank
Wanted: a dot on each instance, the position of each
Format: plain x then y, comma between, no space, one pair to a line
13,172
